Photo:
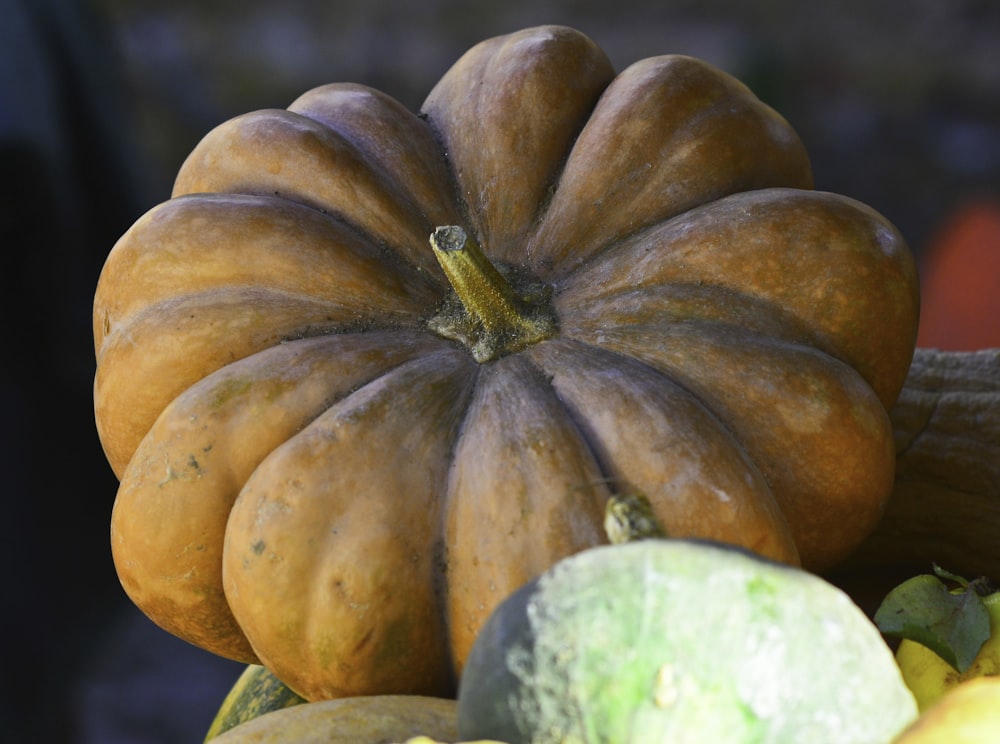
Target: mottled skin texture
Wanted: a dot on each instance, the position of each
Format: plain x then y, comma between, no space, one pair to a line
313,478
680,641
374,718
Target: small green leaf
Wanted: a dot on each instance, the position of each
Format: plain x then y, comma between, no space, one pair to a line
949,576
952,624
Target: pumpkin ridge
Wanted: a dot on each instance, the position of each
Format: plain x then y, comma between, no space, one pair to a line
602,340
247,240
506,114
339,540
330,314
828,260
788,404
152,374
520,467
681,302
284,150
605,477
738,315
321,319
586,215
208,441
744,495
439,574
139,370
391,138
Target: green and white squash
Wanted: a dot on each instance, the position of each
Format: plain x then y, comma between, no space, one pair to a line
256,692
680,641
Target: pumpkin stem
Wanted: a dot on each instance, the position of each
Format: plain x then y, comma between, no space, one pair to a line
491,318
629,517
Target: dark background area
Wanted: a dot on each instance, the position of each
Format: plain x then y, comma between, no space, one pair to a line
898,102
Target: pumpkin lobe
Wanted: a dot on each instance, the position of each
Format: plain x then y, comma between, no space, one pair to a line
489,314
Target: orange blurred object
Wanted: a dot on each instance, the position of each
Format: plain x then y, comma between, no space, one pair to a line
960,281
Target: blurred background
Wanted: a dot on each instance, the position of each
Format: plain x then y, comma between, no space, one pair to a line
898,102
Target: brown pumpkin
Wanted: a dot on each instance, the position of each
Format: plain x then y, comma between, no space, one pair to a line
373,719
341,446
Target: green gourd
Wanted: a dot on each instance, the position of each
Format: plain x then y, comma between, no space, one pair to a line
669,640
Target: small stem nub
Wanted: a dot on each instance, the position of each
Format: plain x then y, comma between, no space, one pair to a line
629,517
493,319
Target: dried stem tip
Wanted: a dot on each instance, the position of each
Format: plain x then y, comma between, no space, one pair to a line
493,318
